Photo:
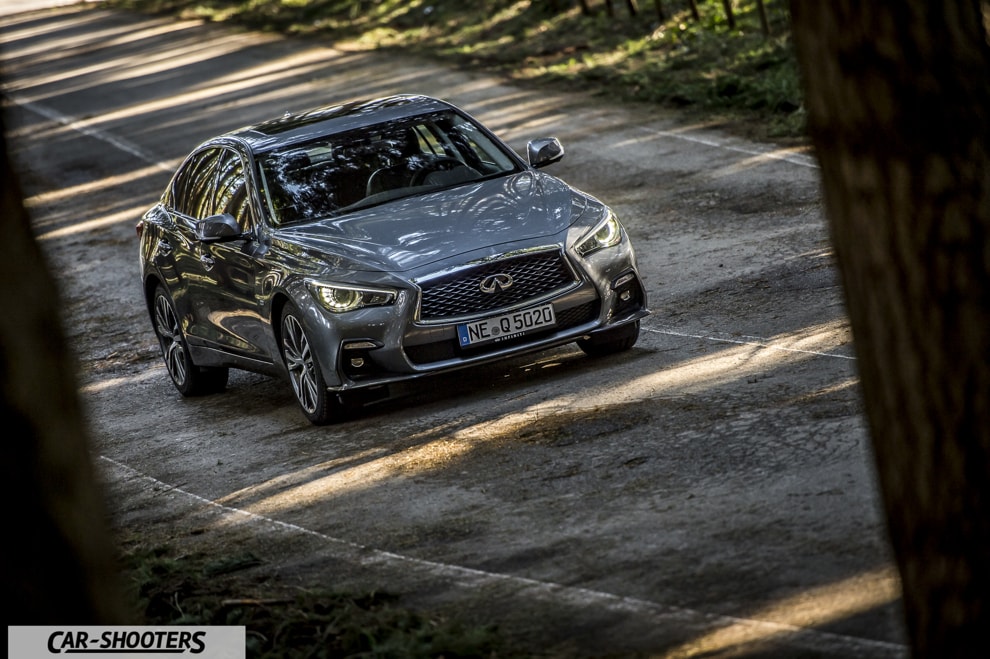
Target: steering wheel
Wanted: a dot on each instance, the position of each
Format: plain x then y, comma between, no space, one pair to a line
438,164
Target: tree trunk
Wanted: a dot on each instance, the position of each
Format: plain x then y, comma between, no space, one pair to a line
897,96
58,565
659,7
761,8
730,15
695,14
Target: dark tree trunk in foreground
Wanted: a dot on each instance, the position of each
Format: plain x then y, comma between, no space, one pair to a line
898,95
58,565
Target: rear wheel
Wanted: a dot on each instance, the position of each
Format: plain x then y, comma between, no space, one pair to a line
189,379
304,372
611,341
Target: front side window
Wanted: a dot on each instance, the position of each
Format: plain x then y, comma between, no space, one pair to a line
192,189
378,163
231,196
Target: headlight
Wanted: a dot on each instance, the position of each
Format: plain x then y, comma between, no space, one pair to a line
606,234
339,298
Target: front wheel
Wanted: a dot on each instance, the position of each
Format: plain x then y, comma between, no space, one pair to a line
612,341
189,379
304,372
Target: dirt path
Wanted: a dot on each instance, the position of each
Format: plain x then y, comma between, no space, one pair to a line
709,491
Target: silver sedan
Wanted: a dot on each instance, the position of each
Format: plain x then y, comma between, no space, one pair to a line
354,246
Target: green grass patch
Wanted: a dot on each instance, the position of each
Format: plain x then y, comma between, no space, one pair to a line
741,76
286,624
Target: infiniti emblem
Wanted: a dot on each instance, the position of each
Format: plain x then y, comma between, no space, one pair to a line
493,283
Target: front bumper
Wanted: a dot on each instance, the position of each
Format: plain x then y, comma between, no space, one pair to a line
379,346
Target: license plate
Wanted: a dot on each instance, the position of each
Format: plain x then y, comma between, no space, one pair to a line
505,327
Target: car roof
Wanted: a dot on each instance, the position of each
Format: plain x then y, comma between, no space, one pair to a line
293,128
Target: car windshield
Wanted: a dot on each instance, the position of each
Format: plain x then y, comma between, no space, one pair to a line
345,171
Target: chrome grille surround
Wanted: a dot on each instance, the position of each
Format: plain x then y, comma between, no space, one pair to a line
537,274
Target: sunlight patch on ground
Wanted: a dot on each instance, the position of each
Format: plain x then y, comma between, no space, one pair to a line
438,448
799,157
128,216
104,385
125,67
749,356
814,607
74,192
789,154
354,473
214,89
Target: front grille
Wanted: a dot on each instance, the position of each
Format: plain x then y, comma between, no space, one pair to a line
460,294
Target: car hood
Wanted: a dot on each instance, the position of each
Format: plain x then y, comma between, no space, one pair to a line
415,231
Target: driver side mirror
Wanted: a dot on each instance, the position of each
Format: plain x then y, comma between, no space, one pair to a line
544,151
218,227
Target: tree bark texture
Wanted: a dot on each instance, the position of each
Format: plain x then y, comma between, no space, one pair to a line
59,565
898,95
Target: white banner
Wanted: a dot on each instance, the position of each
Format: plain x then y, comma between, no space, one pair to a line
120,642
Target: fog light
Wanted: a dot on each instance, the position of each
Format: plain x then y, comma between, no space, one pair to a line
356,360
625,296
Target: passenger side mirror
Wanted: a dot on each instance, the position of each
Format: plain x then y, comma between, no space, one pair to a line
544,151
218,227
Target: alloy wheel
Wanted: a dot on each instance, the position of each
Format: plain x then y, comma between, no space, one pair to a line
300,364
170,338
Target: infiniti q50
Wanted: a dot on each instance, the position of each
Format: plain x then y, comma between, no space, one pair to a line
354,246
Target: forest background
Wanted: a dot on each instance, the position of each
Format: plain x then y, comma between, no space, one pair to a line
727,62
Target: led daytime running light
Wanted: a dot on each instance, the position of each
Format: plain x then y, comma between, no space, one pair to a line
606,234
339,299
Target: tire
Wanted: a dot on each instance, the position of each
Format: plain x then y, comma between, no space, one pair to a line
304,371
189,379
611,341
